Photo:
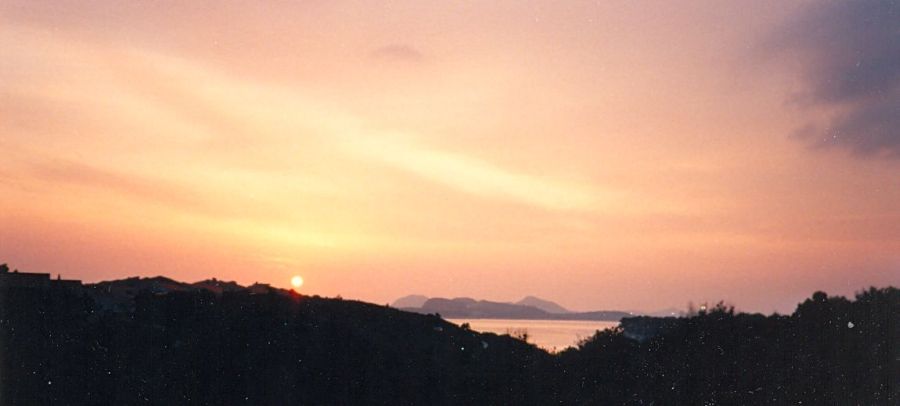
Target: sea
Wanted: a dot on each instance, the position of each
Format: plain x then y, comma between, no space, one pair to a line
551,335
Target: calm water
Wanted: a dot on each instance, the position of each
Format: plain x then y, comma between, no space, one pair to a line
548,334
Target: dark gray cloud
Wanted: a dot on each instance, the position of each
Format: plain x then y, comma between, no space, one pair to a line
398,52
851,53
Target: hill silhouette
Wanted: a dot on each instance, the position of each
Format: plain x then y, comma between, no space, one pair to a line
468,308
545,305
176,343
157,341
410,301
418,301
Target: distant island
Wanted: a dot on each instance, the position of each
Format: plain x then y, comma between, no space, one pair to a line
530,307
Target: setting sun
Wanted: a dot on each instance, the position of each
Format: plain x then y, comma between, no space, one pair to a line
297,281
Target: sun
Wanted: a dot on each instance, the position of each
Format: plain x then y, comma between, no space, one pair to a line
297,281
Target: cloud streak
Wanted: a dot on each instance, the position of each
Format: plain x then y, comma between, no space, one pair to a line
472,176
851,56
274,116
397,52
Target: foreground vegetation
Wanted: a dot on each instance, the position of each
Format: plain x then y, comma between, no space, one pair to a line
59,346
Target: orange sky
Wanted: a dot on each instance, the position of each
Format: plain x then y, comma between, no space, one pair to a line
621,155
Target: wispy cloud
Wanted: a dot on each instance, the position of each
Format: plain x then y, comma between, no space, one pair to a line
279,113
397,52
74,173
473,176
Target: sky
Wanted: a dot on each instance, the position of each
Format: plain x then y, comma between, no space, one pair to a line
633,155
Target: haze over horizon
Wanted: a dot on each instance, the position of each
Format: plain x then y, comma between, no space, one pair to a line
620,155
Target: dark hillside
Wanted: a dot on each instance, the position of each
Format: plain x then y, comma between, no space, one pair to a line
829,351
173,343
199,348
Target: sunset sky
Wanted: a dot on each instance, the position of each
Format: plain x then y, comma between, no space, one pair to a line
628,155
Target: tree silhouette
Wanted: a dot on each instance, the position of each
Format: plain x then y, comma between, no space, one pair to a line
70,346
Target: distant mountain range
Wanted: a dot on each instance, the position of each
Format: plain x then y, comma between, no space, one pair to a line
529,307
545,305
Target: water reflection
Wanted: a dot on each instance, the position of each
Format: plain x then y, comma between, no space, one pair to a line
551,335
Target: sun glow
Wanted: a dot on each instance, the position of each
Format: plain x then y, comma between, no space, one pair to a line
297,281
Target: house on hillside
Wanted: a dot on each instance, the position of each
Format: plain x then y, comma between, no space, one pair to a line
16,279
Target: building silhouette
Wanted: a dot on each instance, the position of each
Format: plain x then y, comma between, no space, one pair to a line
16,279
